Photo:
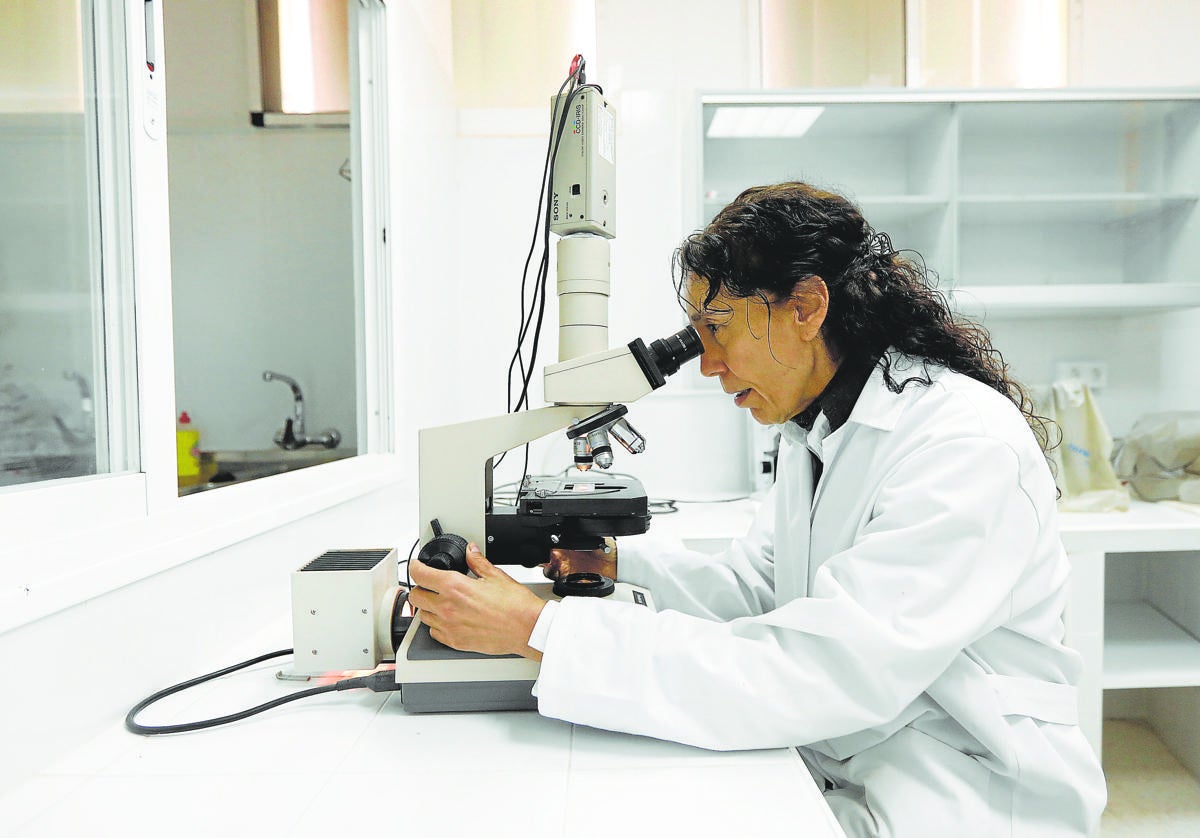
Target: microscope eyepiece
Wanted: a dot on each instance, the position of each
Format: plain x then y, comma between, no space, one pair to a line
664,357
671,352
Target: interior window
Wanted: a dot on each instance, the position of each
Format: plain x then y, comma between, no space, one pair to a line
52,382
262,257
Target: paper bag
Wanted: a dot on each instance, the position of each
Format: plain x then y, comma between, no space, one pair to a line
1081,461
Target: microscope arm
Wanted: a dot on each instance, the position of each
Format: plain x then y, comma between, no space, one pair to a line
456,464
614,376
455,469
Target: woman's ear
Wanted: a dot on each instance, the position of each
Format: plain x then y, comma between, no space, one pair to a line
810,299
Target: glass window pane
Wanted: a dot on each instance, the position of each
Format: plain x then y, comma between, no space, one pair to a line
52,392
262,250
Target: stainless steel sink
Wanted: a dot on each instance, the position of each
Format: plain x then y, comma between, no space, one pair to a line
226,468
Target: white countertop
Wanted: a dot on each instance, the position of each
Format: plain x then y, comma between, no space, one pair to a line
357,757
342,761
1145,527
322,764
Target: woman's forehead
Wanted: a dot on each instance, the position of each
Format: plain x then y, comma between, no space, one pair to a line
697,290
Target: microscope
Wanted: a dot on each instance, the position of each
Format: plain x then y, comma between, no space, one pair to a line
587,392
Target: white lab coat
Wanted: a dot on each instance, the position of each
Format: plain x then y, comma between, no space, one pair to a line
904,628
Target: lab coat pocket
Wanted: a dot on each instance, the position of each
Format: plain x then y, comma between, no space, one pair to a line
915,784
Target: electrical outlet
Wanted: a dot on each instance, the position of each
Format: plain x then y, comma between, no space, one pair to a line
1092,373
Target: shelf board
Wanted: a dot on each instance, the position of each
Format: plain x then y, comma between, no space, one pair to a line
917,200
880,210
1145,527
1075,299
1103,207
1068,115
1144,648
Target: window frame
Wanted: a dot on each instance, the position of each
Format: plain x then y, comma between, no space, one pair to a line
65,541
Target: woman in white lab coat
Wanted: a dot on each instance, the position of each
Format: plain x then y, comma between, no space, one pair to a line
896,610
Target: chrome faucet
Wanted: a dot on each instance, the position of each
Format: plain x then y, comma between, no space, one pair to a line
292,435
87,434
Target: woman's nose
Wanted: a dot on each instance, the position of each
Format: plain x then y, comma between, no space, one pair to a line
711,362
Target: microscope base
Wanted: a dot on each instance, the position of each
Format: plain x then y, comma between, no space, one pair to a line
434,678
467,696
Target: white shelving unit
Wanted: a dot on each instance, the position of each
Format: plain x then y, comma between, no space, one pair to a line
1143,648
1075,299
1067,221
1004,193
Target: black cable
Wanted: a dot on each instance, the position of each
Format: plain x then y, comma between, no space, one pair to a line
541,226
545,262
542,196
574,84
544,190
377,681
408,563
544,268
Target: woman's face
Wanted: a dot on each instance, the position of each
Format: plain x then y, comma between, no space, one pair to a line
771,358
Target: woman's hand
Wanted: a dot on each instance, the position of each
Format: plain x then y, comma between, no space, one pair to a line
492,614
602,560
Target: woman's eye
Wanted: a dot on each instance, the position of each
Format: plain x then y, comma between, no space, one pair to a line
712,327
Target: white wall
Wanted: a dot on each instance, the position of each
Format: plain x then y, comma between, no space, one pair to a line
262,259
651,59
429,336
233,252
1150,43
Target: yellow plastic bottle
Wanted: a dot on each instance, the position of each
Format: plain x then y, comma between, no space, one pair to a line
187,447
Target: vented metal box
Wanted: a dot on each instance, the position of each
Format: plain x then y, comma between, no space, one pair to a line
341,610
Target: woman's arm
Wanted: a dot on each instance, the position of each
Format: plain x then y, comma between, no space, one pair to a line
934,570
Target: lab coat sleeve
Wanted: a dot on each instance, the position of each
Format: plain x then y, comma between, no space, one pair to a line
738,582
951,531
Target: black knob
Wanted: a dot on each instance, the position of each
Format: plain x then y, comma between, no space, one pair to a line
445,551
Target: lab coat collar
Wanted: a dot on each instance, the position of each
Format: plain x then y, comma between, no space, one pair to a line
840,395
877,406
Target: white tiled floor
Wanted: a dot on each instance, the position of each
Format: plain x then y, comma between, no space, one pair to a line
1150,793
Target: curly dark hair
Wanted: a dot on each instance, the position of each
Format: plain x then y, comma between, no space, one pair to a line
770,238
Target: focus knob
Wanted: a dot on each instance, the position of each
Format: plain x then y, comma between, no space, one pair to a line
445,551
